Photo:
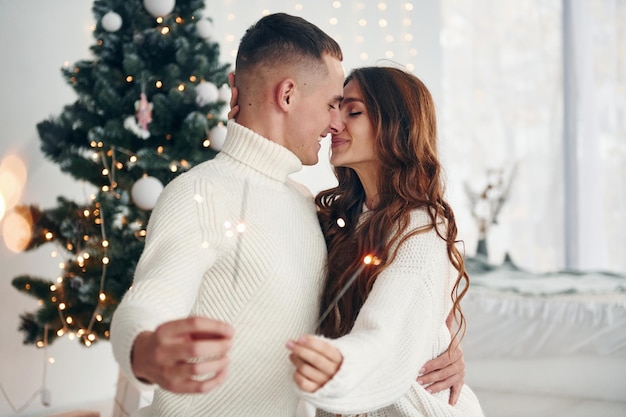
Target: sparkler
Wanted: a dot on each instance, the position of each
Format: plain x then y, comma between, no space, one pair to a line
240,228
367,260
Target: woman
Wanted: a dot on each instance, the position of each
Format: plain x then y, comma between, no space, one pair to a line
389,204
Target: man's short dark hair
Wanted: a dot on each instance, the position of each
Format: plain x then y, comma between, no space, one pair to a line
279,39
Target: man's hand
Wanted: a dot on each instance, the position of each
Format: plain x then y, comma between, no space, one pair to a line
445,371
315,360
184,356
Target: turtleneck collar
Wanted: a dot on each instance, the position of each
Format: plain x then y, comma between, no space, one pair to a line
259,153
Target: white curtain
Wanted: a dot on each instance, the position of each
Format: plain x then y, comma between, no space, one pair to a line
596,70
506,78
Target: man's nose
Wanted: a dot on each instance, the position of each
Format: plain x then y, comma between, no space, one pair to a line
336,122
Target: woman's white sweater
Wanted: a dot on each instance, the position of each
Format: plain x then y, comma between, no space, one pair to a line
400,327
265,281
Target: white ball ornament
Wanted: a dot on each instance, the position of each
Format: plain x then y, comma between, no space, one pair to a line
111,22
159,8
225,93
145,192
217,137
206,92
204,28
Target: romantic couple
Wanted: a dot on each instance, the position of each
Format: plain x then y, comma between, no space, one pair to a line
347,302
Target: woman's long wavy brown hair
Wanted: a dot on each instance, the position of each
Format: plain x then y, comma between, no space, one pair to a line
402,113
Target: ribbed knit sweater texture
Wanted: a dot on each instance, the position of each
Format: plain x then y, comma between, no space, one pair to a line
265,281
400,327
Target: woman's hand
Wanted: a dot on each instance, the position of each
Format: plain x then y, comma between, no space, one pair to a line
234,107
447,370
316,362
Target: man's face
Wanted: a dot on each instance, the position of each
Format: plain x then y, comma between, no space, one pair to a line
315,112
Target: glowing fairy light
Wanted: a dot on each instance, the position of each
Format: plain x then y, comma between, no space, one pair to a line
3,207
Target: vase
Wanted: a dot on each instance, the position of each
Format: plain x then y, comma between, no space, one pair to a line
481,248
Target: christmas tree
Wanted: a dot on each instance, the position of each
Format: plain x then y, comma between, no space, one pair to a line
148,109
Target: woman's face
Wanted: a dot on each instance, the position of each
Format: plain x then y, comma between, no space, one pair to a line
352,143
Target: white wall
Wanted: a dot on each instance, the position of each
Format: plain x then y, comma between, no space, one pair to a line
38,36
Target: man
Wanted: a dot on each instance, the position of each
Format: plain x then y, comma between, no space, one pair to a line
235,241
264,281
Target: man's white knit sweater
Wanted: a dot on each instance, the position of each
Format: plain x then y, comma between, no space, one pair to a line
400,327
265,281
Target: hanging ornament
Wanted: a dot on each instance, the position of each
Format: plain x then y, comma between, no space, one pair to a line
217,137
145,192
159,8
204,28
143,116
206,93
111,22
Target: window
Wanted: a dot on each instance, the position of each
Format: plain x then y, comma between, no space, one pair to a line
514,97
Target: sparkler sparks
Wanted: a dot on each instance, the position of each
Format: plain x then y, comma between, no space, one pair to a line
367,260
240,228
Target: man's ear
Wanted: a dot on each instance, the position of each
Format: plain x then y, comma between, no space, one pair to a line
284,93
